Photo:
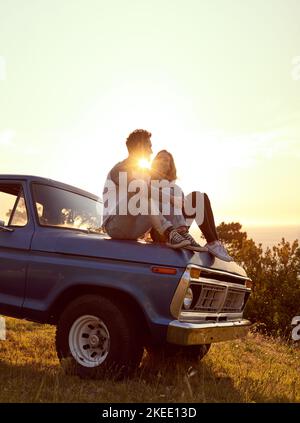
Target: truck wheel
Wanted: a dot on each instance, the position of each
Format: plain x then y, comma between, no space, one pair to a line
191,352
98,338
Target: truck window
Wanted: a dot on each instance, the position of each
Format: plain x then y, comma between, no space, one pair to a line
66,209
12,205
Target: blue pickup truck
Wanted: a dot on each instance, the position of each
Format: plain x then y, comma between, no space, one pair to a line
109,299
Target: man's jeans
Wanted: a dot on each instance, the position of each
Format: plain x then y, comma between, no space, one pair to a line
174,218
133,227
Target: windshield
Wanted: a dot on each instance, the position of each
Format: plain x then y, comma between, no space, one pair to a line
65,209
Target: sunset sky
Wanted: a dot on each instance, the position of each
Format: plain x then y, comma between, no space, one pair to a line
216,82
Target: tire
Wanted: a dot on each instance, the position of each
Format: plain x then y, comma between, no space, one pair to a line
98,338
192,352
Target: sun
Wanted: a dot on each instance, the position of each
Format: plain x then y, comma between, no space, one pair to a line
144,164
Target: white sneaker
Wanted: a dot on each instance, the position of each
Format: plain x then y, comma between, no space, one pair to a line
217,249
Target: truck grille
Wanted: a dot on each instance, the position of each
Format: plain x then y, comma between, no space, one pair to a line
234,300
210,298
217,298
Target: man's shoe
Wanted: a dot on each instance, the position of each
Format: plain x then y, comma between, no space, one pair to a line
216,248
176,240
193,244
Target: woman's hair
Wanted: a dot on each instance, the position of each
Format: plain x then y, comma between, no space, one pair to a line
172,172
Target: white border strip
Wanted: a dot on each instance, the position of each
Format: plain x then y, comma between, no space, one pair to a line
2,329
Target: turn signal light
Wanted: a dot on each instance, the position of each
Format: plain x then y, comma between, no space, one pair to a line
248,284
195,273
164,270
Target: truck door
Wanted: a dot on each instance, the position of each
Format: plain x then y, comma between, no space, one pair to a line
16,231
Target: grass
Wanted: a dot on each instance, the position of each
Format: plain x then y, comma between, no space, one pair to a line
255,369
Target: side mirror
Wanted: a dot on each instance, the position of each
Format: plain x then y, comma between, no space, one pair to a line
4,228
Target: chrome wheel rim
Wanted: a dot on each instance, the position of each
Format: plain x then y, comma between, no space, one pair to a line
89,341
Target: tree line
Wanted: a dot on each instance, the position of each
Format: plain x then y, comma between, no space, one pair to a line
275,273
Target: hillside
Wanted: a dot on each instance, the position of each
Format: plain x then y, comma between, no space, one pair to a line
252,370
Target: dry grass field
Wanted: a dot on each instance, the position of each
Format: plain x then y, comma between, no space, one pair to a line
255,369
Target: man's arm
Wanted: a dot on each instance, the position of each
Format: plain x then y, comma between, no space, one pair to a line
115,171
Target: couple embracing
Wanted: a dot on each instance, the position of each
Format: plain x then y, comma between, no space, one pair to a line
138,200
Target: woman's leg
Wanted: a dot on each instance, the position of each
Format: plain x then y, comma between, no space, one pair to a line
206,223
204,220
208,227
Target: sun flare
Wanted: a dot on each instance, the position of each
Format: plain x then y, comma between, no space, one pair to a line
144,164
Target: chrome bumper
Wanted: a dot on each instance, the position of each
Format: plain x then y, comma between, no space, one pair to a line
182,333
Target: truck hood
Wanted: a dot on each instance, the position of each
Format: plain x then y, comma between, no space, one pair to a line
99,246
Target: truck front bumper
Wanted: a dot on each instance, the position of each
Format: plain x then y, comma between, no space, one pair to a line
183,333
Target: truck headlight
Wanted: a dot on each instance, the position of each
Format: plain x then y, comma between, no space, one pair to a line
188,299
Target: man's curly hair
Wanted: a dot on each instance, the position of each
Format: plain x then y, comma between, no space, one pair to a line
137,138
